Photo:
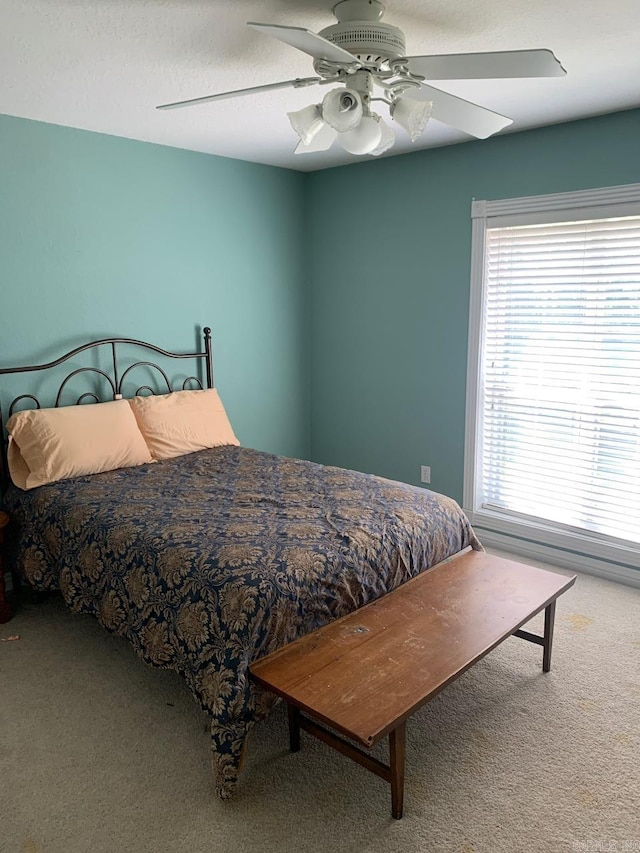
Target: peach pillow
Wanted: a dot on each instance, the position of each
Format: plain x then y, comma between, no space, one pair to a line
182,422
47,445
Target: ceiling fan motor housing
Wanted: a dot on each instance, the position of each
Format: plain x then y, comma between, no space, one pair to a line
369,42
361,32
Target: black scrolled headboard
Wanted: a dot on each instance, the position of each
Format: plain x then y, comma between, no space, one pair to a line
112,378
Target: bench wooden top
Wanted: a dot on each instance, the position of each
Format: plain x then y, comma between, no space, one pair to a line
367,672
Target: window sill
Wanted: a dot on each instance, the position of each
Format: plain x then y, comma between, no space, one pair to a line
538,533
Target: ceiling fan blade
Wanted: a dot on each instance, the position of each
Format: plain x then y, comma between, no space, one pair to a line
306,41
299,83
471,118
478,66
322,141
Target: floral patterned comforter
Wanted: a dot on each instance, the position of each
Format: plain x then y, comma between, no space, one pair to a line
209,561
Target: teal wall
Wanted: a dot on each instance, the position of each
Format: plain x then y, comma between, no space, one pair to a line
104,236
369,309
390,286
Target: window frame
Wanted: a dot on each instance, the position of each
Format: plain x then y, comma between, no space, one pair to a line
528,536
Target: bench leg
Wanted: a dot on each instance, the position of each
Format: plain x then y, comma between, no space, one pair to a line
549,618
294,728
397,752
545,641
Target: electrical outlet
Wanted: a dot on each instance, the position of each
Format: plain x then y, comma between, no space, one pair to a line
425,473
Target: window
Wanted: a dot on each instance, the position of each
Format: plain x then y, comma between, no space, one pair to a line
553,402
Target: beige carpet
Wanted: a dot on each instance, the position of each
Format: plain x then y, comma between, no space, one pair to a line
100,753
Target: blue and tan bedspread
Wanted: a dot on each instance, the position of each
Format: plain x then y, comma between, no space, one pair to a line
207,562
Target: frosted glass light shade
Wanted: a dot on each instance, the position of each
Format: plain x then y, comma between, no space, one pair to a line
342,109
307,123
412,115
387,138
364,138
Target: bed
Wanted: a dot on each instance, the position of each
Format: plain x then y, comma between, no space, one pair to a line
210,560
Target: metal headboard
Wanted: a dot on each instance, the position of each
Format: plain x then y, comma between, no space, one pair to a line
112,377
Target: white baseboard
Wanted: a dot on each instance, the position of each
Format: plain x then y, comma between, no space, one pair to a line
558,557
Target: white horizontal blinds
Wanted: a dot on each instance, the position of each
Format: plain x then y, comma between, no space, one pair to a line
561,365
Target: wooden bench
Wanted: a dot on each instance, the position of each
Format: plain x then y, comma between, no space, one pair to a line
364,675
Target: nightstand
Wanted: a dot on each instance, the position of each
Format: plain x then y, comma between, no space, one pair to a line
5,610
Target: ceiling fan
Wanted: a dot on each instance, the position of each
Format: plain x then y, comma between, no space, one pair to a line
365,55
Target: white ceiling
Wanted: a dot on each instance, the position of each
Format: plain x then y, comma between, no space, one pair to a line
103,65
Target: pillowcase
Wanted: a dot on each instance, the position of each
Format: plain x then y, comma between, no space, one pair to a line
182,422
47,445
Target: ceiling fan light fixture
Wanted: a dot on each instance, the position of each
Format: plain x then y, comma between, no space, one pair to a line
307,122
412,115
363,139
342,109
387,137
